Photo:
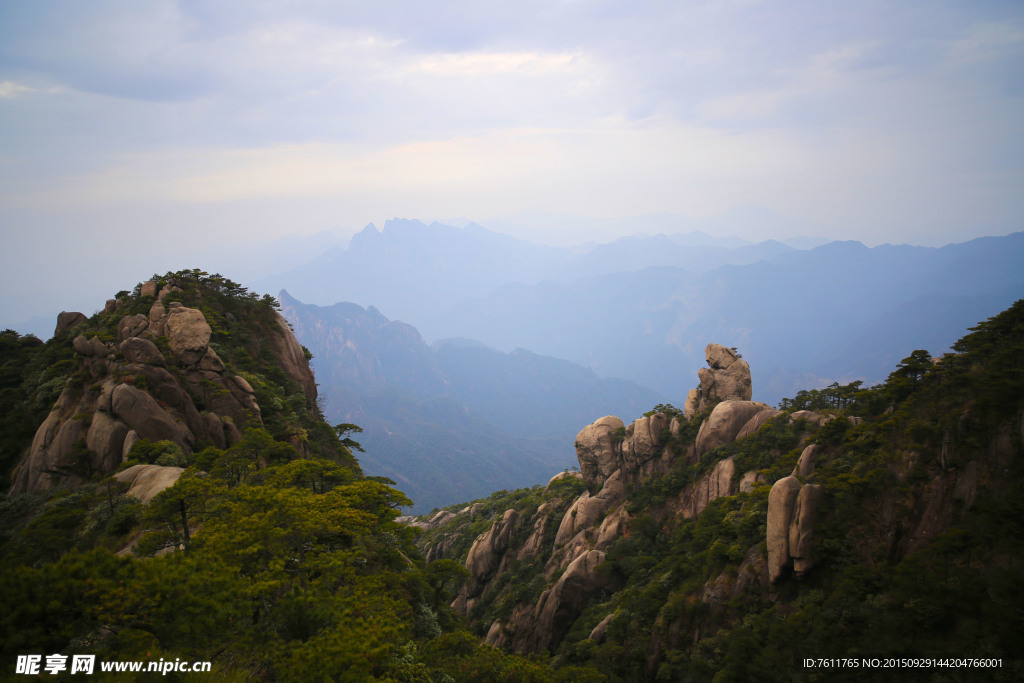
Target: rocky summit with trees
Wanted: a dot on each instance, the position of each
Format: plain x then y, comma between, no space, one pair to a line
175,494
736,542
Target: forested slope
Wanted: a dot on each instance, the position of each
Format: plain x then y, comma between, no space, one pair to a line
880,522
235,527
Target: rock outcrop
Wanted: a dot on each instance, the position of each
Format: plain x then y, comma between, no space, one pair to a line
613,458
559,606
792,510
727,377
67,320
125,391
188,334
726,421
486,559
145,481
597,449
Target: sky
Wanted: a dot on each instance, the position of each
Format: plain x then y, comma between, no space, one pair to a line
145,136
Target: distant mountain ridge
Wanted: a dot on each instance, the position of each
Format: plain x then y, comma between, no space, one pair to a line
643,307
455,419
841,311
416,272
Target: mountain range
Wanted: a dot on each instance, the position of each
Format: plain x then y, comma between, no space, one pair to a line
456,419
642,308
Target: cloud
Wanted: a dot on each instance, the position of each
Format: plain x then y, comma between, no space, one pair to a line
9,90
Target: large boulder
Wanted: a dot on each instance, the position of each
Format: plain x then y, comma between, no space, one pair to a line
756,422
105,439
489,548
139,350
597,448
730,374
293,358
613,526
142,413
582,514
188,334
67,320
781,506
559,606
727,378
801,529
715,484
643,439
725,423
805,465
132,326
33,474
145,481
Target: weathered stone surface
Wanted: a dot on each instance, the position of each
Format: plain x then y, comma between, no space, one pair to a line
749,480
781,505
132,326
598,633
138,350
487,551
141,412
215,430
597,450
810,416
130,439
31,474
692,405
439,518
566,474
242,398
106,440
715,484
731,375
727,378
756,422
90,348
496,634
148,288
559,606
242,384
582,514
67,320
148,480
532,546
614,490
611,528
157,312
801,529
643,439
805,466
166,389
211,362
292,358
167,289
724,423
188,334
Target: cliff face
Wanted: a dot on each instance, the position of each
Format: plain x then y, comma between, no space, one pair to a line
148,367
676,531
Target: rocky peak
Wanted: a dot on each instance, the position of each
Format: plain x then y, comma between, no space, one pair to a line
155,376
727,377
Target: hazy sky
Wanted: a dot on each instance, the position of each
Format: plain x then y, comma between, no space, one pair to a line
135,135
